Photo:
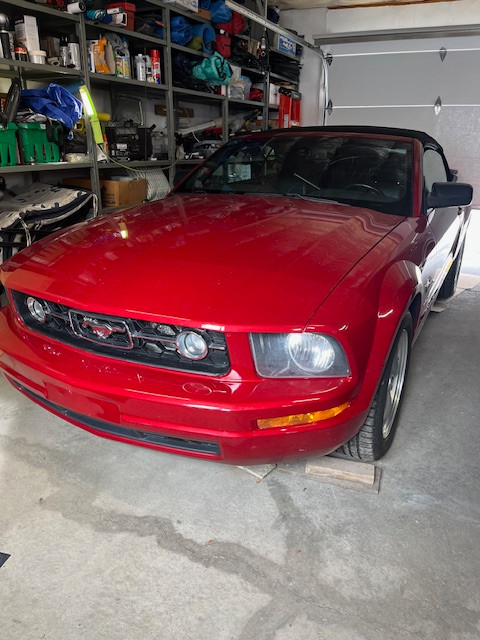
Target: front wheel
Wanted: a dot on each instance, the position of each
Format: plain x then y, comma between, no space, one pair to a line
376,435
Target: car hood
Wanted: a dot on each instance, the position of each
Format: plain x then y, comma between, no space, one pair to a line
223,261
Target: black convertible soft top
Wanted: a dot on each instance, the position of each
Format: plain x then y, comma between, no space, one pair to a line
424,138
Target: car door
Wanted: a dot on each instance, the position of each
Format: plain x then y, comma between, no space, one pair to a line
444,222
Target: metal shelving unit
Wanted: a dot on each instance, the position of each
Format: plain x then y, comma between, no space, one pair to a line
171,96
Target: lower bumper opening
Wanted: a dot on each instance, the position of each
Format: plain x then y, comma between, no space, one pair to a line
149,437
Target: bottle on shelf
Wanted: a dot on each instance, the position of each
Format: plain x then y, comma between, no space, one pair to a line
140,71
73,44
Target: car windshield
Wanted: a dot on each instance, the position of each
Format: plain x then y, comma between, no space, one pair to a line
356,170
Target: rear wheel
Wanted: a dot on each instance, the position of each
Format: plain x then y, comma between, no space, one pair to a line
449,285
376,435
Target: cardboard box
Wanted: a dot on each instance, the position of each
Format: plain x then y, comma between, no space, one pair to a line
115,193
204,13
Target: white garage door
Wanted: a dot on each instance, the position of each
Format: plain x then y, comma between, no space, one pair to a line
397,83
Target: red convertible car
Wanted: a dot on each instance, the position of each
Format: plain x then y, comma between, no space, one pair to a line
264,310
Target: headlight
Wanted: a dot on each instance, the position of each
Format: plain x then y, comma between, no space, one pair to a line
298,355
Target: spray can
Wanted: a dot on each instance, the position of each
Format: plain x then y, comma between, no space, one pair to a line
74,50
140,67
127,65
148,69
64,53
156,69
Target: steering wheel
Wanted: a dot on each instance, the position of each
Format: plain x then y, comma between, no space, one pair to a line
365,187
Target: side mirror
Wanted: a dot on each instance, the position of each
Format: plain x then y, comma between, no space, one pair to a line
449,194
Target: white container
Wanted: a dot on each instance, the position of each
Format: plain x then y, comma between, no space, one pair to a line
38,57
26,33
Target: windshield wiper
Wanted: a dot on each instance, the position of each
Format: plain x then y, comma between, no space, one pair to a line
315,186
302,196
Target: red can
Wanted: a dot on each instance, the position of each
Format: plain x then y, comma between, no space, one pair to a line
156,68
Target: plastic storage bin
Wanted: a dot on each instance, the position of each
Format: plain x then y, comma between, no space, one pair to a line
35,145
8,145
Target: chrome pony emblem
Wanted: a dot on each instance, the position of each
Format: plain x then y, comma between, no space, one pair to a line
100,329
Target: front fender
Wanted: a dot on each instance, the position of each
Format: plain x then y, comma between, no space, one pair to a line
364,313
400,287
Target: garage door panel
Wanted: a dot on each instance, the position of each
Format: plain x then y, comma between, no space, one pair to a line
418,79
402,117
409,44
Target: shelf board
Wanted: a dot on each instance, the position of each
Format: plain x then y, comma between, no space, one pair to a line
192,96
278,76
259,72
31,7
273,107
126,82
133,163
133,35
9,68
250,103
48,166
194,161
185,13
284,53
194,52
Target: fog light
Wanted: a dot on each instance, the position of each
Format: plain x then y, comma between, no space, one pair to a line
301,418
192,345
37,309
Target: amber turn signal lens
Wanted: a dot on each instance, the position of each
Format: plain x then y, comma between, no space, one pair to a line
301,418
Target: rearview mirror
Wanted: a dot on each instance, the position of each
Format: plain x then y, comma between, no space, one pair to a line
449,194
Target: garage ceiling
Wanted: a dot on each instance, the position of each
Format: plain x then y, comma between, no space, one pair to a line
347,4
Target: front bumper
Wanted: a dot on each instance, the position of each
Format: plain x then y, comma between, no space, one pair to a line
173,411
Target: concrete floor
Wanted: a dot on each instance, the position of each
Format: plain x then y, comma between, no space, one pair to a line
110,541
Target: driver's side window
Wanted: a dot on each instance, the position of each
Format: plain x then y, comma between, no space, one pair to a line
433,169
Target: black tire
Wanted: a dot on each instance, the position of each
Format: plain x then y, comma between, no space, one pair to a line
374,438
449,285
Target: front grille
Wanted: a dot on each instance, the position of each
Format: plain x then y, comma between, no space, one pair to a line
148,437
151,343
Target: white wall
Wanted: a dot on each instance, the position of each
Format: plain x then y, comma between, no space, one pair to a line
402,16
308,22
